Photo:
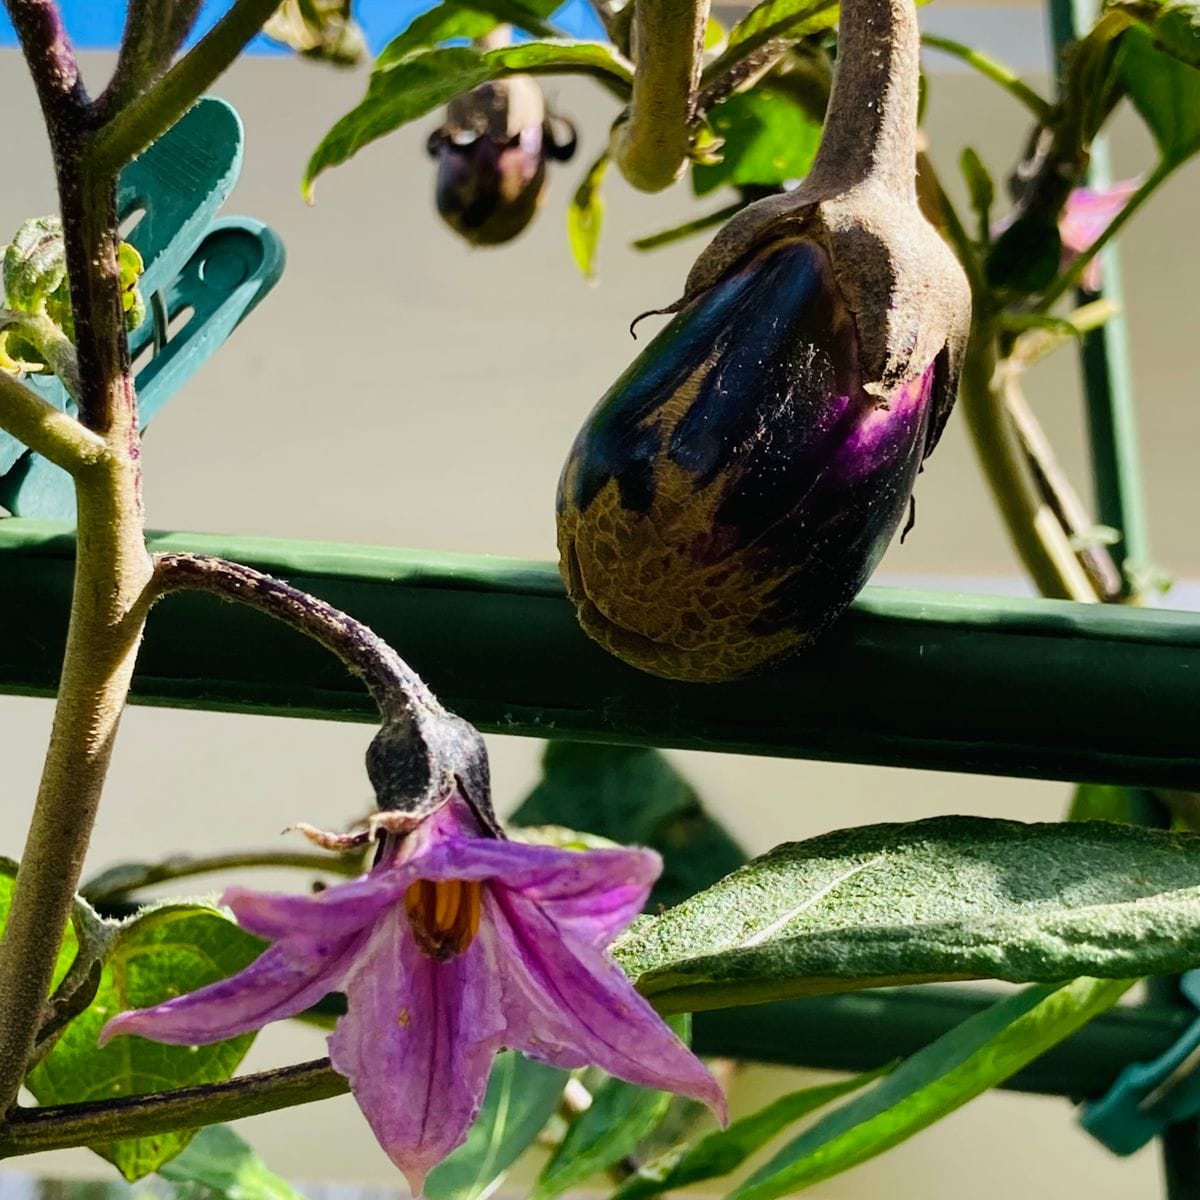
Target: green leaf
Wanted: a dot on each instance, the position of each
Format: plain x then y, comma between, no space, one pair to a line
1121,805
621,1115
633,795
1166,92
1025,258
725,1150
220,1163
976,1055
980,188
162,953
412,87
947,898
585,217
768,140
1175,26
521,1097
454,20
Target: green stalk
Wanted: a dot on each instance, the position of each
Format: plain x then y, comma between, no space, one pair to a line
997,72
49,431
151,114
651,145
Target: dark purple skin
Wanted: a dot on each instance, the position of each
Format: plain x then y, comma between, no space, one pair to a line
813,474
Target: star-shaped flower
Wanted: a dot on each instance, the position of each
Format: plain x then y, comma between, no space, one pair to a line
454,946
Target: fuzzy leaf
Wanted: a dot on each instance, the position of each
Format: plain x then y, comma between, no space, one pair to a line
947,898
725,1150
162,953
35,264
782,18
425,80
521,1097
976,1055
633,795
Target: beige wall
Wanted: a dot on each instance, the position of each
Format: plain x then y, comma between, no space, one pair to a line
399,388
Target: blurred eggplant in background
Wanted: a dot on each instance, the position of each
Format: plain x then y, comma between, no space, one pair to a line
491,153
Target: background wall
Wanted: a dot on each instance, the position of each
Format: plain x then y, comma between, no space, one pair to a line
400,388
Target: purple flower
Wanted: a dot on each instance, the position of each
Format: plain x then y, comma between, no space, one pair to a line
452,947
1086,215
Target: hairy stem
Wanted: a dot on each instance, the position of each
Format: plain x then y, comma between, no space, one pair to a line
51,343
155,110
650,147
871,122
154,31
48,430
29,1130
393,685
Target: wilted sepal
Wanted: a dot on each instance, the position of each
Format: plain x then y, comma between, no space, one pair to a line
320,29
491,152
735,488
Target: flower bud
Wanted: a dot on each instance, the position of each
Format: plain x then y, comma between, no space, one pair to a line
491,152
733,491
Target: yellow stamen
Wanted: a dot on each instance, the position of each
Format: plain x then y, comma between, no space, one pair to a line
449,895
444,915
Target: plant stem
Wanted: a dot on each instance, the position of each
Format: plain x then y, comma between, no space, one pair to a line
651,146
132,877
154,31
51,343
29,1130
1036,532
111,567
51,432
1074,273
153,112
997,72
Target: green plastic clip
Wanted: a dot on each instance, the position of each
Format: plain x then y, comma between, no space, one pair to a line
201,278
1148,1097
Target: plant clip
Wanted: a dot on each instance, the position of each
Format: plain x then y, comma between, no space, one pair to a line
201,277
1148,1097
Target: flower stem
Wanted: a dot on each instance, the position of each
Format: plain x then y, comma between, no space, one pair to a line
393,685
153,112
29,1130
651,146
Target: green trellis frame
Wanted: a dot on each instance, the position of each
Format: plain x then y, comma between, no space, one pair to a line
916,679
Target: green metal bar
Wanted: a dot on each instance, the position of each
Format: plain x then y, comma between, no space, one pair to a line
858,1031
1038,688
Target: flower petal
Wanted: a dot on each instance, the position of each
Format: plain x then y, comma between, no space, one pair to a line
590,895
417,1044
571,1005
338,911
280,983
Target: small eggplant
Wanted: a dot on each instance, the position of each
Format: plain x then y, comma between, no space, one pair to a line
736,487
491,152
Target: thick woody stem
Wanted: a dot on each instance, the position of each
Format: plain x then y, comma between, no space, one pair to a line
871,121
651,146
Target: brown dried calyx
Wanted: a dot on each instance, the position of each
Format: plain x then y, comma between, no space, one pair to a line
907,291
